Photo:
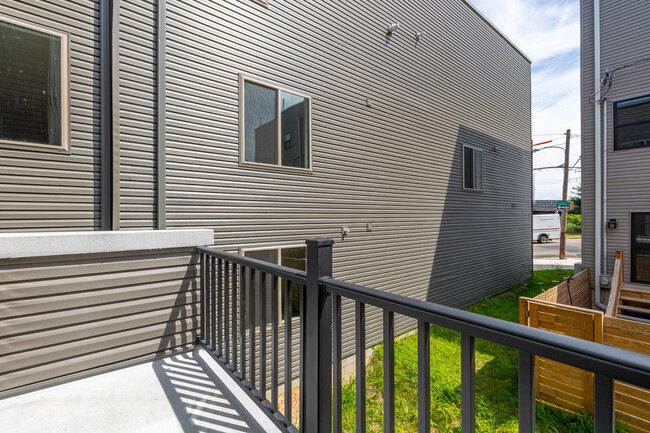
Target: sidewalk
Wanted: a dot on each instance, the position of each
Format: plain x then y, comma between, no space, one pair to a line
540,264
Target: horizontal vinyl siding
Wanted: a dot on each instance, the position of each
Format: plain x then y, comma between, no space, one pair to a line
396,165
42,190
625,38
138,53
75,314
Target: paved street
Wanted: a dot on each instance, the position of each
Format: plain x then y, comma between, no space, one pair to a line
551,250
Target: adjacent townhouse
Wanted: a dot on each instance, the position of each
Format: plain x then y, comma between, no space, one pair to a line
400,129
615,89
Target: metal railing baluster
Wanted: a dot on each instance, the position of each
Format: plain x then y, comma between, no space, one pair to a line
288,350
242,319
218,307
203,313
467,375
603,404
263,327
212,309
337,367
389,372
234,316
275,321
526,392
251,326
424,377
226,308
360,349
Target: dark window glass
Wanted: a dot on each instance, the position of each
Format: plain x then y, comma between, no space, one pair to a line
641,247
263,117
260,124
632,123
295,258
30,86
295,127
472,168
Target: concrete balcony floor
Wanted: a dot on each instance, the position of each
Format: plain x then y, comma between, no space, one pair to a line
185,393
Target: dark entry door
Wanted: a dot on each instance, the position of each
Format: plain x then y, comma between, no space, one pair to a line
641,248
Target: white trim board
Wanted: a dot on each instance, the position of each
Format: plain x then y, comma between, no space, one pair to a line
18,245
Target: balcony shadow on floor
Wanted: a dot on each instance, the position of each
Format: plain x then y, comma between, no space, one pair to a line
200,400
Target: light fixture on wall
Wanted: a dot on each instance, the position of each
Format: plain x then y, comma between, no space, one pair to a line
392,29
419,35
611,224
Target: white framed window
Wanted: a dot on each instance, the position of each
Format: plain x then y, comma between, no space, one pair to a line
34,108
472,168
275,126
291,256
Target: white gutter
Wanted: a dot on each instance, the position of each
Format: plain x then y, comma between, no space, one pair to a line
597,148
604,222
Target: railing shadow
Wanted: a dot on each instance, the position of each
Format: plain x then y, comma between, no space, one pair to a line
200,400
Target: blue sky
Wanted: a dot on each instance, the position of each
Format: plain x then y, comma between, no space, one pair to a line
548,31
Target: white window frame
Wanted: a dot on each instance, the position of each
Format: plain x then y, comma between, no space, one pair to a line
65,89
244,250
474,149
242,131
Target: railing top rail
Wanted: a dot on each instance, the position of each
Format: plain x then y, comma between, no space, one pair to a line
619,364
293,275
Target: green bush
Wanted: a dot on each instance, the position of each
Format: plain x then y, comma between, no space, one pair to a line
574,223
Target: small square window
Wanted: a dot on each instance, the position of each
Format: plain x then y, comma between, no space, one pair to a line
276,126
472,168
632,123
33,86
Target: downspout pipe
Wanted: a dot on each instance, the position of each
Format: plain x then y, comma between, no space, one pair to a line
597,154
603,103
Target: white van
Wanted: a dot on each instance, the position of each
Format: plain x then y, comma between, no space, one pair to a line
546,227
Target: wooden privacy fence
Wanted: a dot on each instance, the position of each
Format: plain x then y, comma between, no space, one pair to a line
564,309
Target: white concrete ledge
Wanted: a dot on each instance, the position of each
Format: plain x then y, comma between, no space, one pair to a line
17,245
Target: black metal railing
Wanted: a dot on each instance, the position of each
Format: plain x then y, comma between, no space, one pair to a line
320,350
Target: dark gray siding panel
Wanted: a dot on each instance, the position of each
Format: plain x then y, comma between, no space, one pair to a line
625,38
138,53
49,191
71,314
396,165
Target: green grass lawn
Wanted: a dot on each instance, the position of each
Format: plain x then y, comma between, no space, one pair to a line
573,235
496,377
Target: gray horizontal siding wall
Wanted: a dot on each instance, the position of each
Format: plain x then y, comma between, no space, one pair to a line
396,165
625,38
138,79
71,315
44,190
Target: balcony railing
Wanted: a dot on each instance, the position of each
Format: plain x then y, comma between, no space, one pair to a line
236,330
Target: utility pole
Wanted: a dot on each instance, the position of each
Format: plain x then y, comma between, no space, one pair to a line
565,192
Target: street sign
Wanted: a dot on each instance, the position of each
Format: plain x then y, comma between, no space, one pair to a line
563,203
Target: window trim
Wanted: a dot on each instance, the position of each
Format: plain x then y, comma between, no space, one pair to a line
65,89
475,149
242,115
615,124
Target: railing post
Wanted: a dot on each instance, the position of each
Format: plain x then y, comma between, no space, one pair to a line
316,415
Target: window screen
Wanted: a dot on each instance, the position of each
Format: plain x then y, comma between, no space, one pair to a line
30,86
632,123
